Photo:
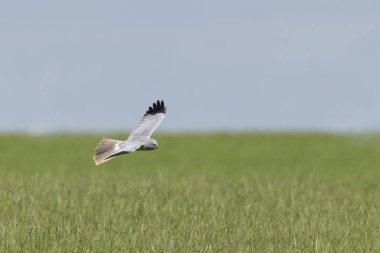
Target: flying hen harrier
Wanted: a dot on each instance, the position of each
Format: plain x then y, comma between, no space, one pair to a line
138,140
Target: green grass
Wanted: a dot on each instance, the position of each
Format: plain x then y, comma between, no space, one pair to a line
197,193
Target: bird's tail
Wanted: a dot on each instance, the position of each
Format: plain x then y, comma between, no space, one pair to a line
106,150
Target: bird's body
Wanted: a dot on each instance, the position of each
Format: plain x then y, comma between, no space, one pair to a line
138,140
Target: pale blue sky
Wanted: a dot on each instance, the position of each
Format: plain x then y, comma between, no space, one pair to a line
225,65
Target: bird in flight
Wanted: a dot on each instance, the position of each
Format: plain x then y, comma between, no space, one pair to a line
139,139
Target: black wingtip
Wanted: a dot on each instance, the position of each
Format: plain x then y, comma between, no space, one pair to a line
158,107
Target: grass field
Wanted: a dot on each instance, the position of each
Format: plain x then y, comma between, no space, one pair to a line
197,193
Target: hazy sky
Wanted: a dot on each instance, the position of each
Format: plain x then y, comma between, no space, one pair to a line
232,65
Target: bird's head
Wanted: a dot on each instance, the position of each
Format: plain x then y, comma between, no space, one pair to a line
155,144
151,144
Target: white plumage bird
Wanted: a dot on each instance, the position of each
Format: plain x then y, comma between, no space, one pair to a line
139,139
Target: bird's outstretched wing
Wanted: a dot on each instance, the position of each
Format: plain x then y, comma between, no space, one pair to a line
150,121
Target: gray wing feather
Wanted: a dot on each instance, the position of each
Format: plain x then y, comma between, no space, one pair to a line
150,121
